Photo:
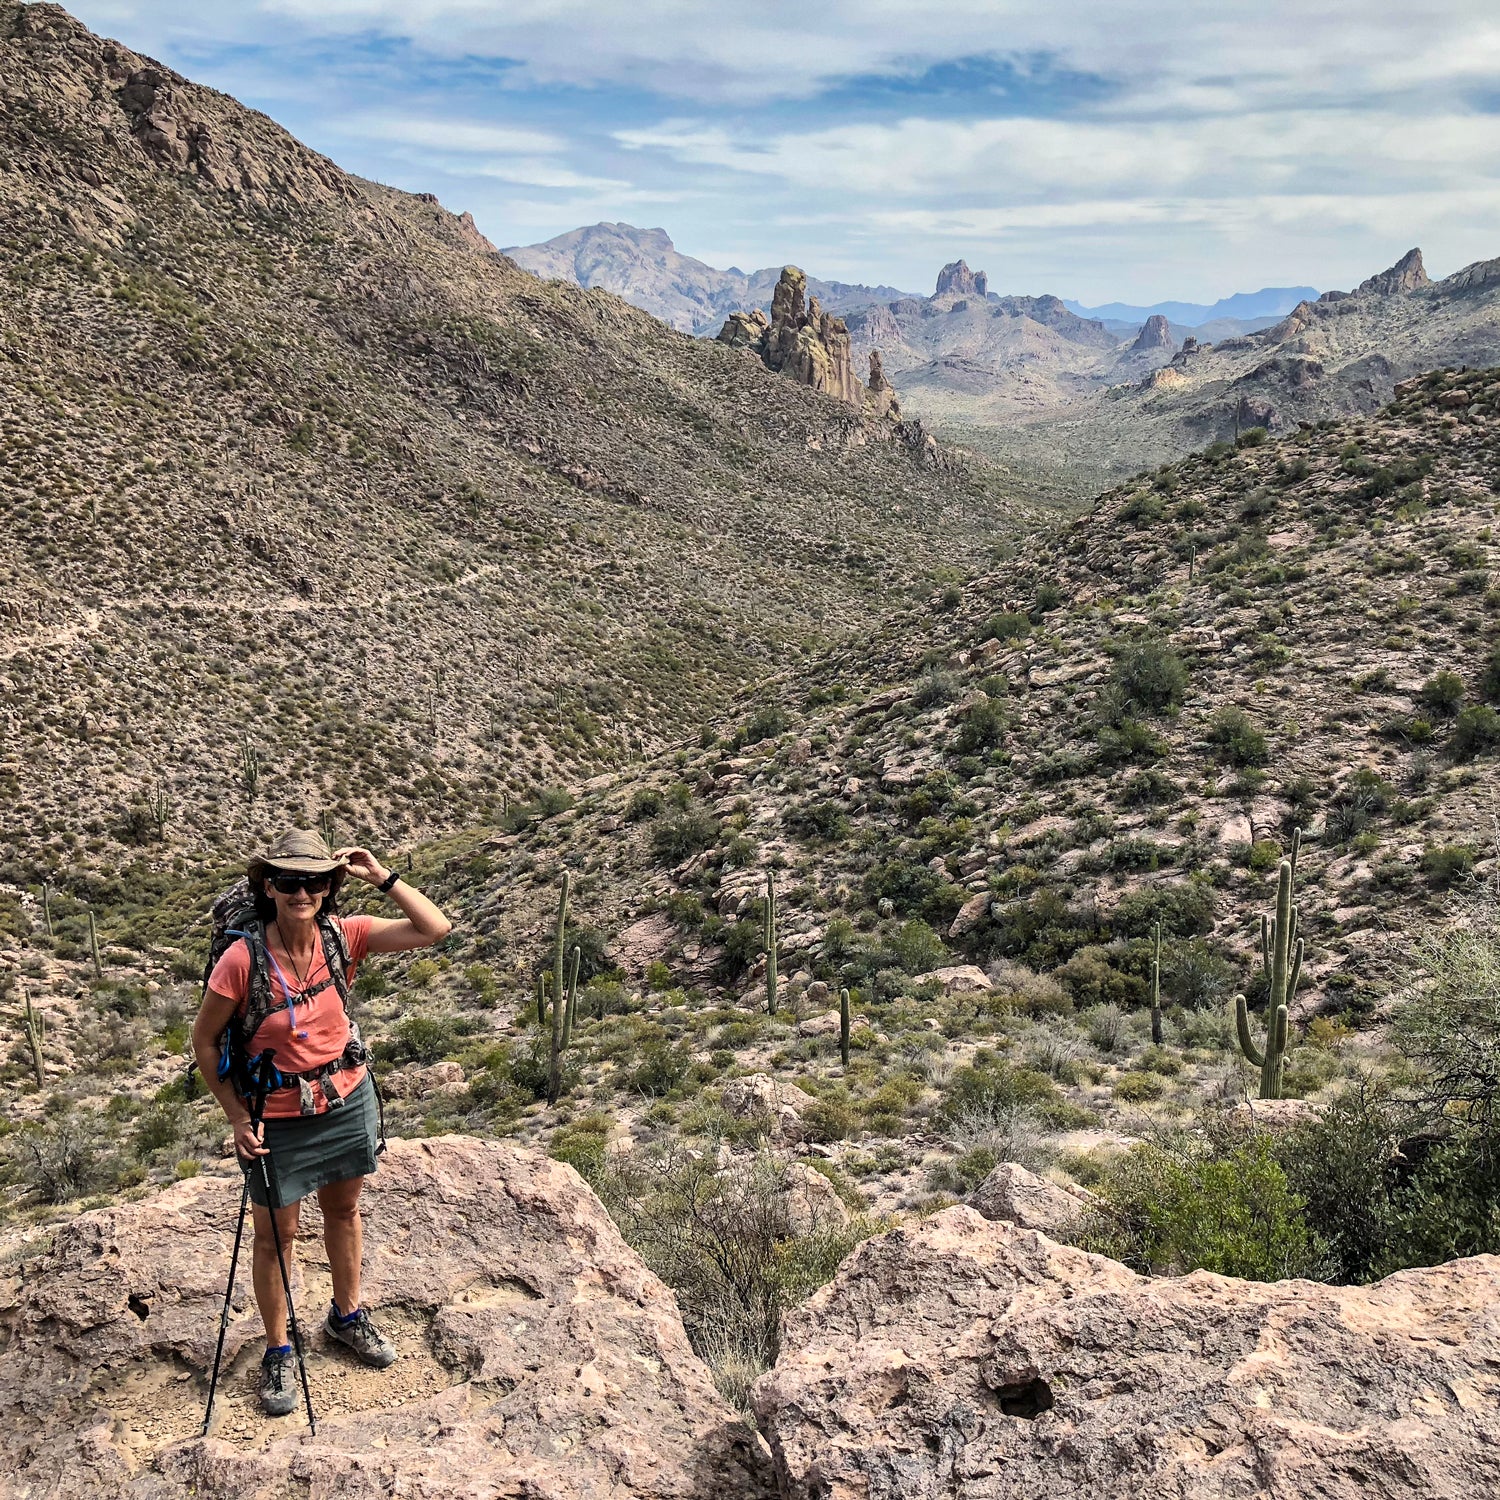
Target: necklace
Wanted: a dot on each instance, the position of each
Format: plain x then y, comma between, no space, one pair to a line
291,958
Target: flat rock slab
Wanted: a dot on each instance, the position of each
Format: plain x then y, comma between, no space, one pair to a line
538,1355
962,1358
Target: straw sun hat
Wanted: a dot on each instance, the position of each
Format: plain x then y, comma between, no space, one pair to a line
298,849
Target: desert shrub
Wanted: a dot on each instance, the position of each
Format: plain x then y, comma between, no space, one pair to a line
917,948
981,726
64,1156
1475,730
1252,437
1445,864
936,688
1218,1205
816,822
724,1242
1129,740
1092,979
1185,908
421,973
1489,681
1108,1027
679,835
1240,739
1150,788
989,1086
1196,975
1048,597
1138,1088
424,1039
1007,626
663,1066
1442,694
1150,677
645,802
767,723
915,890
580,1143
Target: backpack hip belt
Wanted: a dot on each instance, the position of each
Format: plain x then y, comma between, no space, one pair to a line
354,1055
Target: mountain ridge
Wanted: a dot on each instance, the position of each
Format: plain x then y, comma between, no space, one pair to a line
646,268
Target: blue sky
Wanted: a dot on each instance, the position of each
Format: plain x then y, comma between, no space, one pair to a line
1131,150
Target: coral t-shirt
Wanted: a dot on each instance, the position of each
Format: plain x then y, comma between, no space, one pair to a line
320,1031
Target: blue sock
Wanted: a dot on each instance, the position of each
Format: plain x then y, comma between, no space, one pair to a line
342,1317
278,1348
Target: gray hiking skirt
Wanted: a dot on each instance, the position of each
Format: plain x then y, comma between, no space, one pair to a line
310,1151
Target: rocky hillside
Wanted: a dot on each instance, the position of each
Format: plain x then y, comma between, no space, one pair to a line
317,506
645,268
1119,726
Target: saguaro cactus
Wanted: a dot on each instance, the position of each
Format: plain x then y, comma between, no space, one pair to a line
94,945
1281,953
570,1010
844,1027
1156,987
35,1029
249,769
771,955
559,952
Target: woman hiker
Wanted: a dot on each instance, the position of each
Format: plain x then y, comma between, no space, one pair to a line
320,1127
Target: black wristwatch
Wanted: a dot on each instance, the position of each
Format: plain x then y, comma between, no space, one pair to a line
388,882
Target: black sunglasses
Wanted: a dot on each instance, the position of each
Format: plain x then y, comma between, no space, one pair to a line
314,885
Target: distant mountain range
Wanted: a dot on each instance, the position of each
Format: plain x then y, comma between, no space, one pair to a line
645,268
1270,303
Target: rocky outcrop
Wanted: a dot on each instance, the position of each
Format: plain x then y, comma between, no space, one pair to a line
799,339
957,280
1155,334
1407,275
1012,1195
880,395
538,1355
964,1358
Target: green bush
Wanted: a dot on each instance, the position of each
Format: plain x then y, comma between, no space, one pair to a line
767,723
663,1066
426,1039
678,836
981,726
1476,730
1007,626
1150,677
421,973
816,822
1138,1088
645,802
1222,1207
1442,694
917,948
1239,738
1445,864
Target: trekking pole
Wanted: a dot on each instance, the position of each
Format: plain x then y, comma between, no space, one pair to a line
273,1202
257,1108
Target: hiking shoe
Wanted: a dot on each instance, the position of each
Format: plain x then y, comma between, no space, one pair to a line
362,1336
278,1389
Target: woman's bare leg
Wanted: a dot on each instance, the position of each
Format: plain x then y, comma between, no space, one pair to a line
343,1237
269,1296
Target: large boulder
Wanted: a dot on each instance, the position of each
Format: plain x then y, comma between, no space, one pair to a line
538,1355
964,1358
1012,1195
775,1105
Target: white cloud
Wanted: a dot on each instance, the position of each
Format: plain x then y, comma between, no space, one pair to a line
455,135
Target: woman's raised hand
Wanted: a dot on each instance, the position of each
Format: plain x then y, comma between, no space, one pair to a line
362,865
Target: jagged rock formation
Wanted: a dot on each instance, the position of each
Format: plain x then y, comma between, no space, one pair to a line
1156,333
960,1357
799,339
538,1355
957,280
1407,275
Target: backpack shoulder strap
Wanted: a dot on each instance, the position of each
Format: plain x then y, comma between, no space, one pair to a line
258,993
335,954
